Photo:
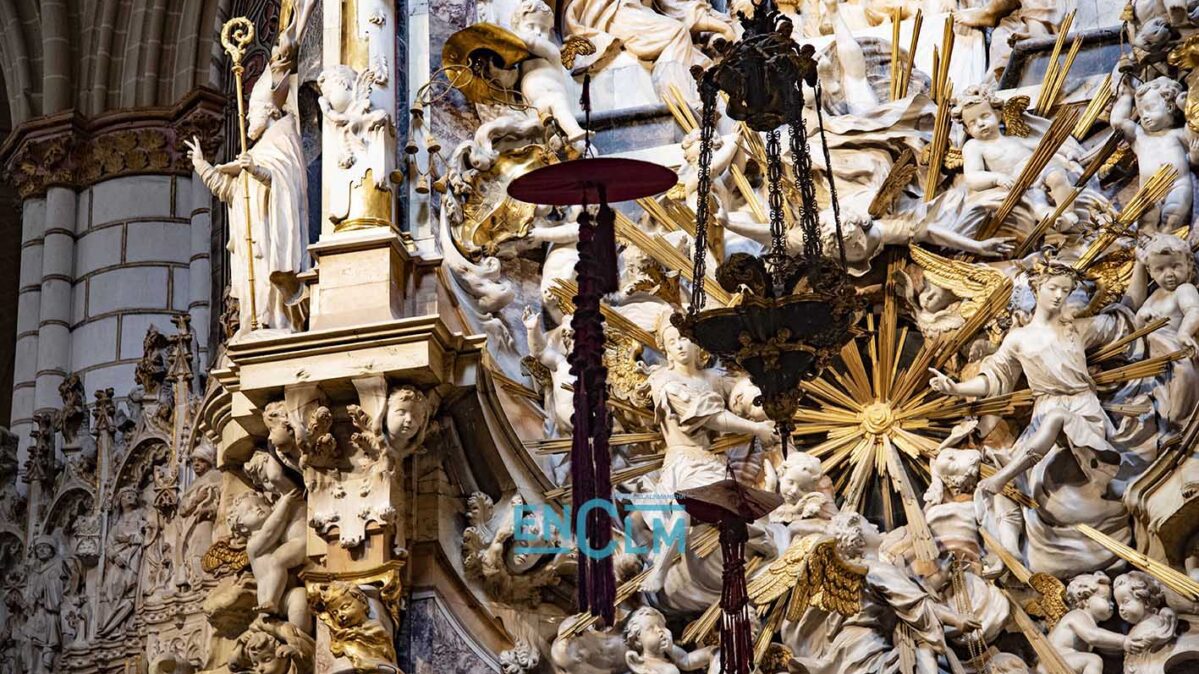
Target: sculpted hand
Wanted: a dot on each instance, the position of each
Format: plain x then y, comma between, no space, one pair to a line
966,623
764,432
941,383
1005,182
194,150
1189,342
998,246
530,318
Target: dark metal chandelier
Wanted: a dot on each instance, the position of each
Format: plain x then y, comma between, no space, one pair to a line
795,310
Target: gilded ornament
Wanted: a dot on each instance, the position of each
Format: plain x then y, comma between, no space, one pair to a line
472,51
344,609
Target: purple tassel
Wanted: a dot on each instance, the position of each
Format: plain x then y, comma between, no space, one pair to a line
590,459
736,638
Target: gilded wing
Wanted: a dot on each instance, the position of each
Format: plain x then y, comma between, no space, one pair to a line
815,575
1051,604
574,47
1013,116
902,172
782,574
830,583
224,559
974,283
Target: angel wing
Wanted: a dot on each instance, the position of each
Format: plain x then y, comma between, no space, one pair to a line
224,559
902,172
814,575
574,47
1013,116
974,283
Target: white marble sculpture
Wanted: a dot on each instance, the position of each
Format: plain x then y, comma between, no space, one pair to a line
652,649
1078,634
345,102
277,211
542,78
1147,117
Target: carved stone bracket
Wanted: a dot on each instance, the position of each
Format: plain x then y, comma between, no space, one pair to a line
69,150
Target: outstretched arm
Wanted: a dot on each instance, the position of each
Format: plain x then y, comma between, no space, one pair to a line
1121,117
727,422
272,529
947,238
689,662
1097,637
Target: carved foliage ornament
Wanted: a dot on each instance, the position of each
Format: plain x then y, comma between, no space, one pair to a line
79,152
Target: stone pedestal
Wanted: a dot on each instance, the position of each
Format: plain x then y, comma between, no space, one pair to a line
363,278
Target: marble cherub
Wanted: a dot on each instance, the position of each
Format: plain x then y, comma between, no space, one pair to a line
272,549
993,159
1141,602
543,79
345,101
1149,120
652,649
1078,633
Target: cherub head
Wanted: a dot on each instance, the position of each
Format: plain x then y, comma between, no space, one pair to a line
267,473
280,431
246,514
346,604
955,471
849,529
1153,37
407,415
1092,593
978,110
1168,260
854,226
646,633
934,298
798,475
1158,103
1138,595
691,145
272,647
337,86
533,14
742,397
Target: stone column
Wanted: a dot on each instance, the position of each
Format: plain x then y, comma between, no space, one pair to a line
200,267
33,222
58,273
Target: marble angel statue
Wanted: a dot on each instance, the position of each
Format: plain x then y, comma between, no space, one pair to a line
1066,443
1078,634
542,78
1150,121
561,233
272,522
1167,261
272,646
846,600
1155,639
689,406
652,649
278,211
993,159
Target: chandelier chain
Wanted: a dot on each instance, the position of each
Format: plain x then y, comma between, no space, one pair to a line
707,92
